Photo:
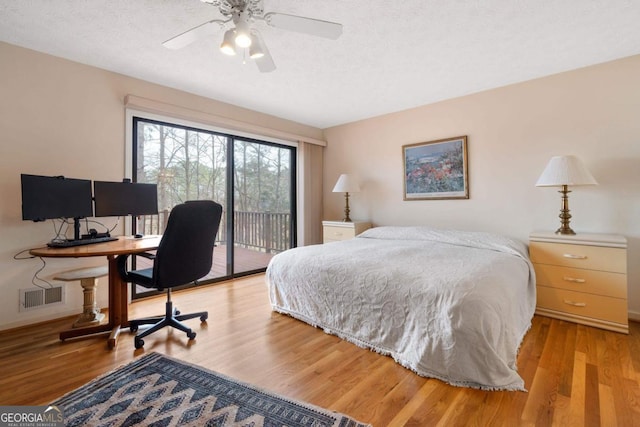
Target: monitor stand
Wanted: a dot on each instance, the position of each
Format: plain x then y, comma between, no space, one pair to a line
76,228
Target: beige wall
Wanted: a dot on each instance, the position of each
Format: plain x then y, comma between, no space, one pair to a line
593,113
62,118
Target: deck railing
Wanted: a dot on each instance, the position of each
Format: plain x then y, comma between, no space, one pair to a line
262,231
153,224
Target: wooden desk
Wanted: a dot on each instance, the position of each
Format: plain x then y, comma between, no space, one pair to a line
118,296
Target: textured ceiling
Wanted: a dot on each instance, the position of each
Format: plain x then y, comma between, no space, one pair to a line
392,55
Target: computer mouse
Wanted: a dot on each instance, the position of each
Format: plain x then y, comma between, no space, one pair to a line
138,236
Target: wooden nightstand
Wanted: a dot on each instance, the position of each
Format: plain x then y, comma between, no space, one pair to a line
582,278
333,231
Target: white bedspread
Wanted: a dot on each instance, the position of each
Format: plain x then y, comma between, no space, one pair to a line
451,305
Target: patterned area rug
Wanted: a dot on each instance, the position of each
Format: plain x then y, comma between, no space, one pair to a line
156,390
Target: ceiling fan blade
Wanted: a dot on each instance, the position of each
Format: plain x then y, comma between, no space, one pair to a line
189,36
315,27
265,63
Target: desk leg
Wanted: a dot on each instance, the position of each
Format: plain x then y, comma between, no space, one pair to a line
115,301
81,332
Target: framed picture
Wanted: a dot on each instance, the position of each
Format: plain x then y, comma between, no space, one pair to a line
436,169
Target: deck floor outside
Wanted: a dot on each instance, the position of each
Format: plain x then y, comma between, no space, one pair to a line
245,260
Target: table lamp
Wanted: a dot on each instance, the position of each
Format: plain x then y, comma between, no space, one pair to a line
563,171
346,184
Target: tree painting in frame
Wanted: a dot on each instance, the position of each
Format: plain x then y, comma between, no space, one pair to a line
436,169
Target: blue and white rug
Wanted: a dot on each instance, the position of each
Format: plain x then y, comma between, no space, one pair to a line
156,390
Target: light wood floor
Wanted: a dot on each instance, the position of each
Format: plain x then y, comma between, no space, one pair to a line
576,375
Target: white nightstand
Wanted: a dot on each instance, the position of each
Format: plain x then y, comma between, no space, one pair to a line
333,231
581,278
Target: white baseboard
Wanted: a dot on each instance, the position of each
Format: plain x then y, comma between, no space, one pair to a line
634,315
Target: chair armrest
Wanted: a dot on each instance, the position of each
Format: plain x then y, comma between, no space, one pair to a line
122,267
122,264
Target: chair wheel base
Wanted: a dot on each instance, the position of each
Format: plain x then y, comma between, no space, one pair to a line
172,318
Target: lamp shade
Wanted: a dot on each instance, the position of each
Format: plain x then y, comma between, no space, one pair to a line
346,184
256,50
228,44
565,170
243,36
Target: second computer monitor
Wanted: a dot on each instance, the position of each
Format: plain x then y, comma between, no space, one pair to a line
124,198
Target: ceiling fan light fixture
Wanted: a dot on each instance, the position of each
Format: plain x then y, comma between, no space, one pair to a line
256,50
227,46
243,36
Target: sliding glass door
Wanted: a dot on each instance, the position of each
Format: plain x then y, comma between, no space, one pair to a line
262,205
253,180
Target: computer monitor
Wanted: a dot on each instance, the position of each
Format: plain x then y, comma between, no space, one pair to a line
124,198
51,197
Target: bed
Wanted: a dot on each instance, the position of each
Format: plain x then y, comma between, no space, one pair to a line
451,305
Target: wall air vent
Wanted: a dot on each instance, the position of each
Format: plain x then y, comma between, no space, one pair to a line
34,298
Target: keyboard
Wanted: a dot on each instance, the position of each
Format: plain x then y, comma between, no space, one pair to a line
79,242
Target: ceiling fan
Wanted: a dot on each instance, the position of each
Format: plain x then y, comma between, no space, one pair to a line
243,36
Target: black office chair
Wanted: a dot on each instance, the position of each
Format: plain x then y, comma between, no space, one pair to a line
185,254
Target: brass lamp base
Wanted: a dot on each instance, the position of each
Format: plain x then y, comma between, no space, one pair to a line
565,216
565,230
346,208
